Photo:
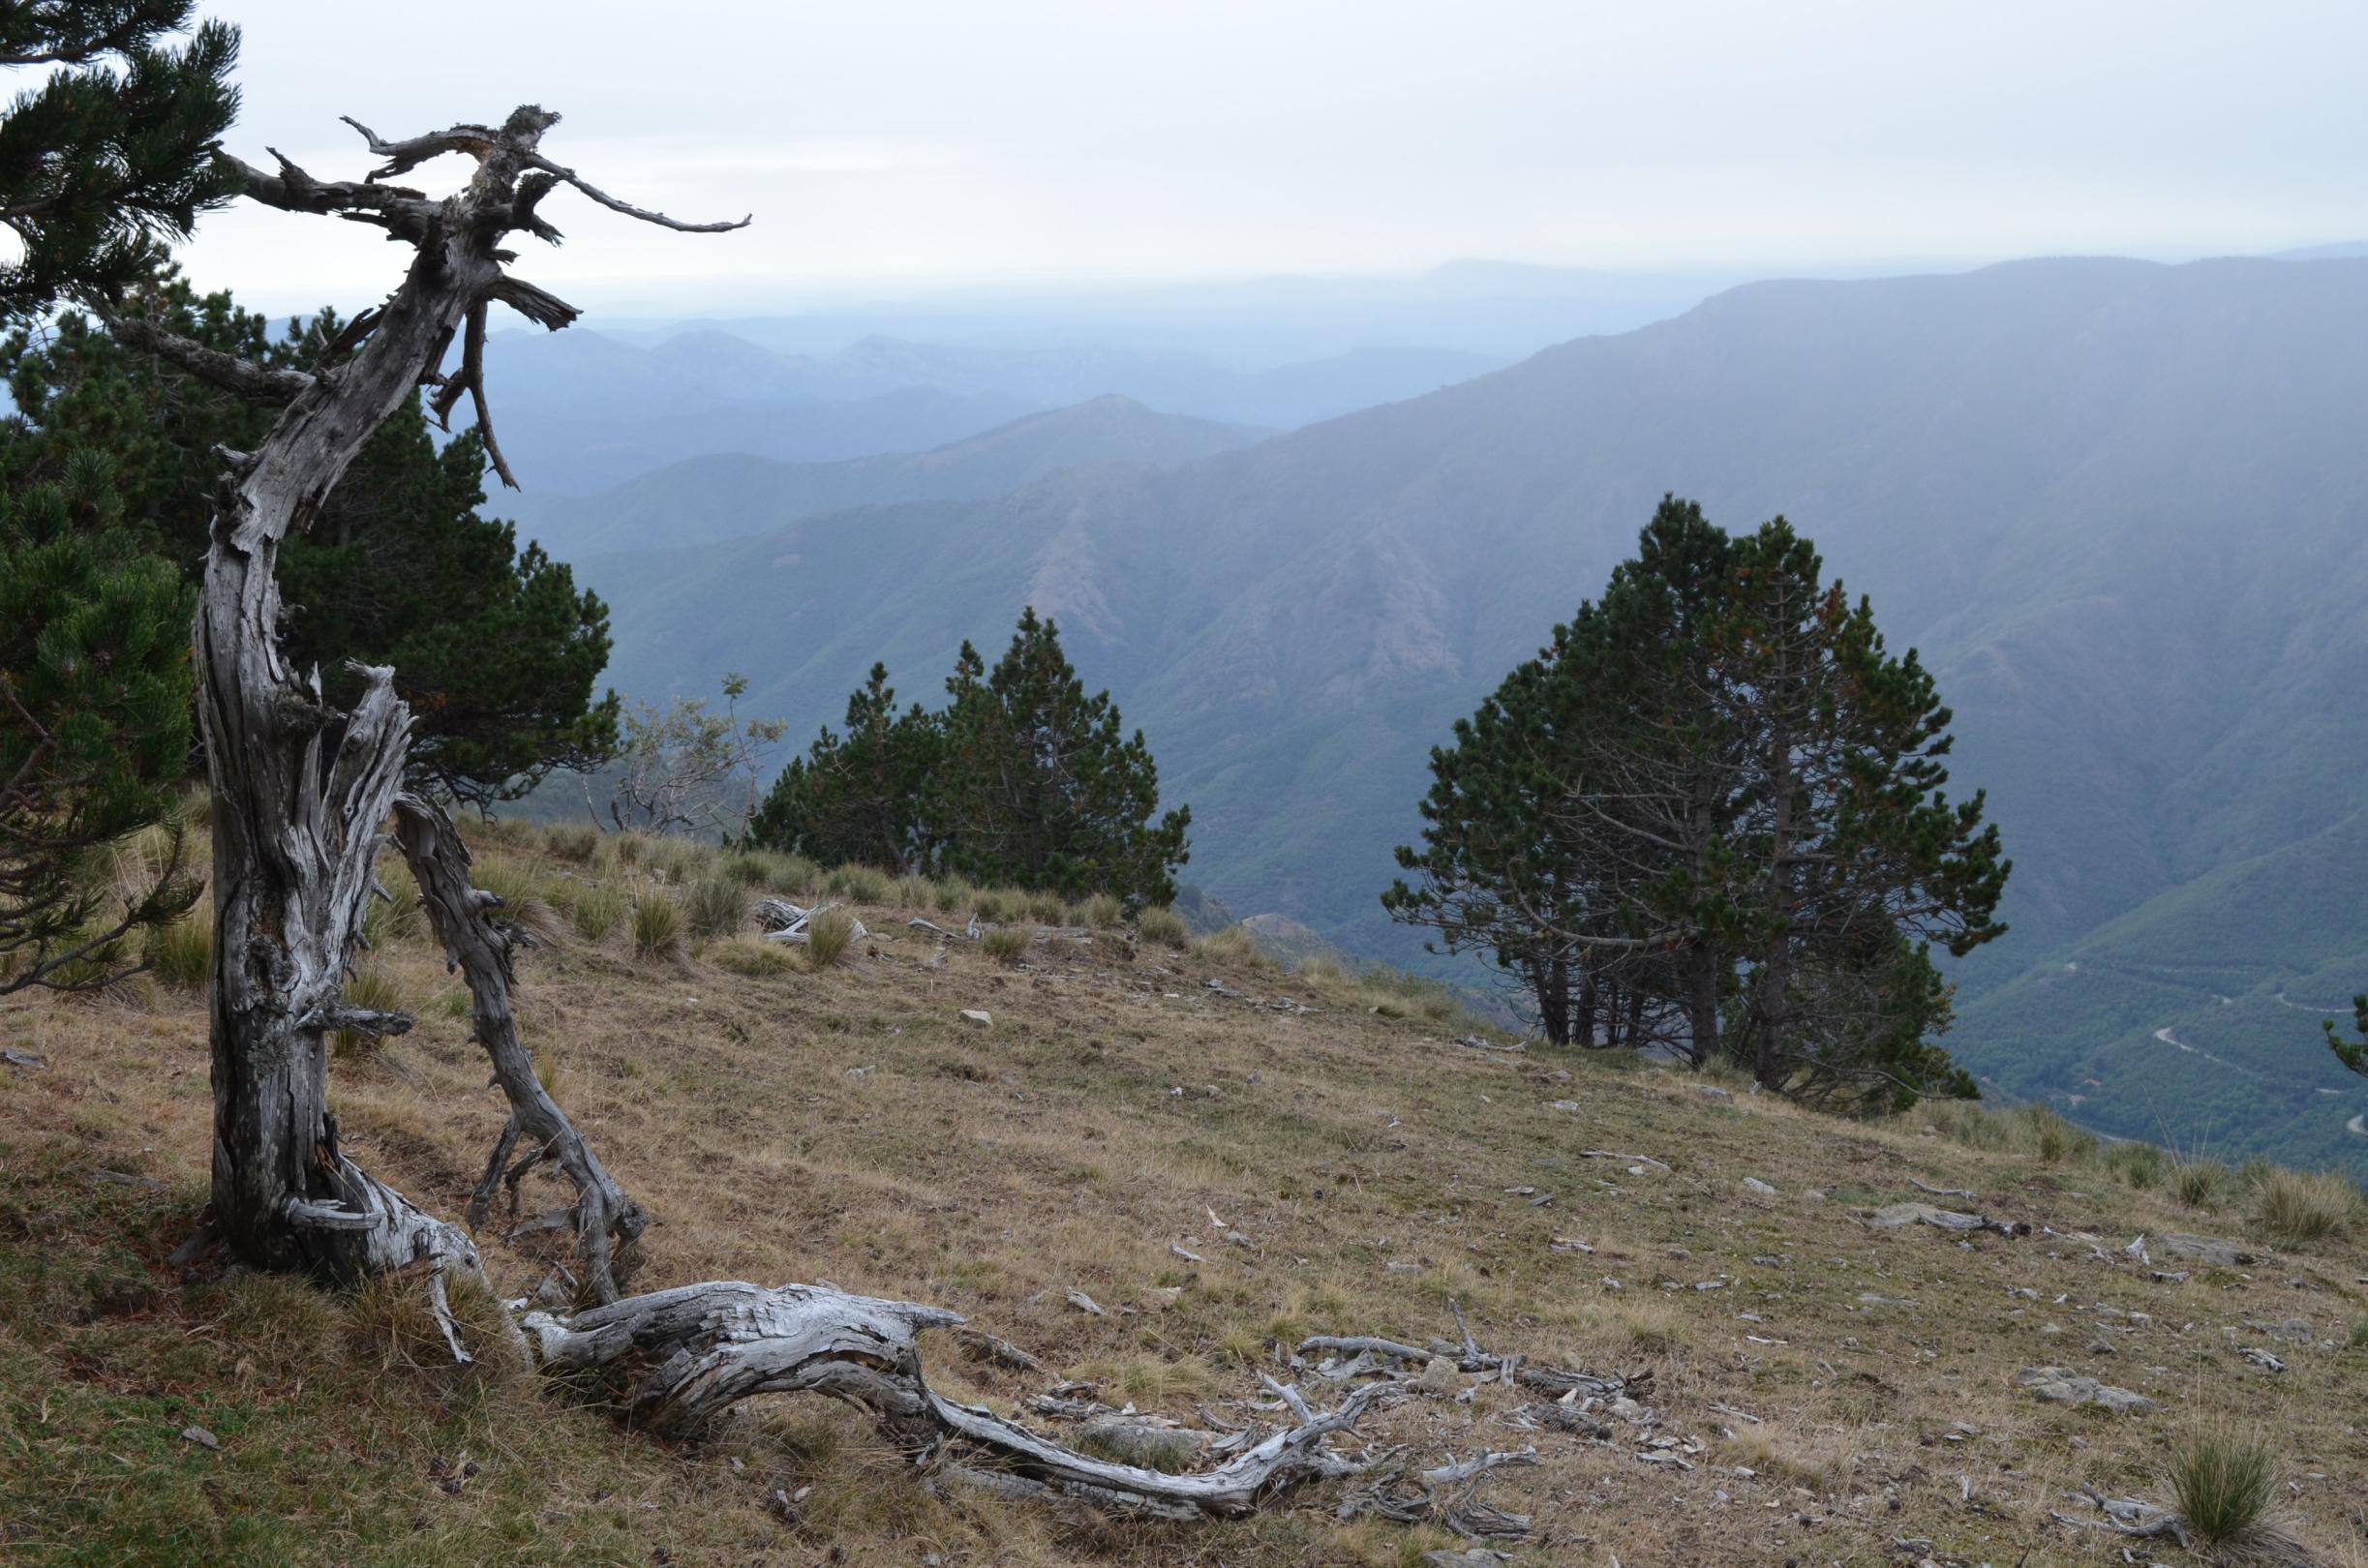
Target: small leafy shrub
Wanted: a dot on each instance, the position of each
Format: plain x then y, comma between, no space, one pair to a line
368,986
1006,945
827,936
715,907
182,954
1165,926
2302,1207
657,924
2222,1485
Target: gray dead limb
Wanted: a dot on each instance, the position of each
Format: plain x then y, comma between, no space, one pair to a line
1899,1216
1625,1158
1395,1358
1942,1192
686,1355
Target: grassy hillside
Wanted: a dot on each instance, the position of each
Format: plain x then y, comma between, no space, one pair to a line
1822,1390
2120,508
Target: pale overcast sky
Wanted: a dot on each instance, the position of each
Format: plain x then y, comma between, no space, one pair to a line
889,144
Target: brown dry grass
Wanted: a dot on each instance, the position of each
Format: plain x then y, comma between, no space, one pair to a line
1365,1162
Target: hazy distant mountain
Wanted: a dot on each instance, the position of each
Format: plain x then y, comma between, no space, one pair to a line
2121,507
706,499
582,456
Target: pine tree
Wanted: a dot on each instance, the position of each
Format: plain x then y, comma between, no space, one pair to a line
494,646
2352,1053
1716,801
859,799
1038,786
113,155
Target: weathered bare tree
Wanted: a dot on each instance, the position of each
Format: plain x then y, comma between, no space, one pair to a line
303,793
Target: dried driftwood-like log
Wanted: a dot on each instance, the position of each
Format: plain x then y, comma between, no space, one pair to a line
695,1351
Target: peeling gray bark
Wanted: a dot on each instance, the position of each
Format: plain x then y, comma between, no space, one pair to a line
302,789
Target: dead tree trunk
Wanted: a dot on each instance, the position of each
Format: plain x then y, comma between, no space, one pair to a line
301,790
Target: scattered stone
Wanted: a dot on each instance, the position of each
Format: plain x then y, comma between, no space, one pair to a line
1753,1183
2060,1385
202,1437
1563,1106
977,1015
2209,1250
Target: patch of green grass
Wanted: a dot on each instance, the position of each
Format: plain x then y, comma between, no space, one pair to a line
657,924
368,986
715,907
2222,1485
598,911
182,954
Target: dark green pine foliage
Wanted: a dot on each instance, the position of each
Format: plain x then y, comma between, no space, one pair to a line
1038,787
108,158
494,647
1857,861
93,727
113,155
2352,1053
860,798
1710,817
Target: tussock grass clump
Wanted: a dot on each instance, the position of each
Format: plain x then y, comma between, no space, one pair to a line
572,841
2223,1484
1165,926
2053,1139
368,986
182,954
714,906
1231,946
2196,1183
745,955
1047,908
990,905
2302,1207
598,910
1103,911
657,924
914,892
2359,1333
827,936
2140,1165
863,884
680,859
526,897
1006,945
951,895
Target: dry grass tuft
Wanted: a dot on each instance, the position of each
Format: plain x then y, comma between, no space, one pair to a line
1006,945
827,936
368,986
715,907
181,955
1164,926
598,910
2302,1207
2222,1485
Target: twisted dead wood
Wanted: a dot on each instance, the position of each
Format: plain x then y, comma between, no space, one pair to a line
707,1347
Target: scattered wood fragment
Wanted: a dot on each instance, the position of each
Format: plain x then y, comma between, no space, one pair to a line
785,921
1626,1159
1943,1192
